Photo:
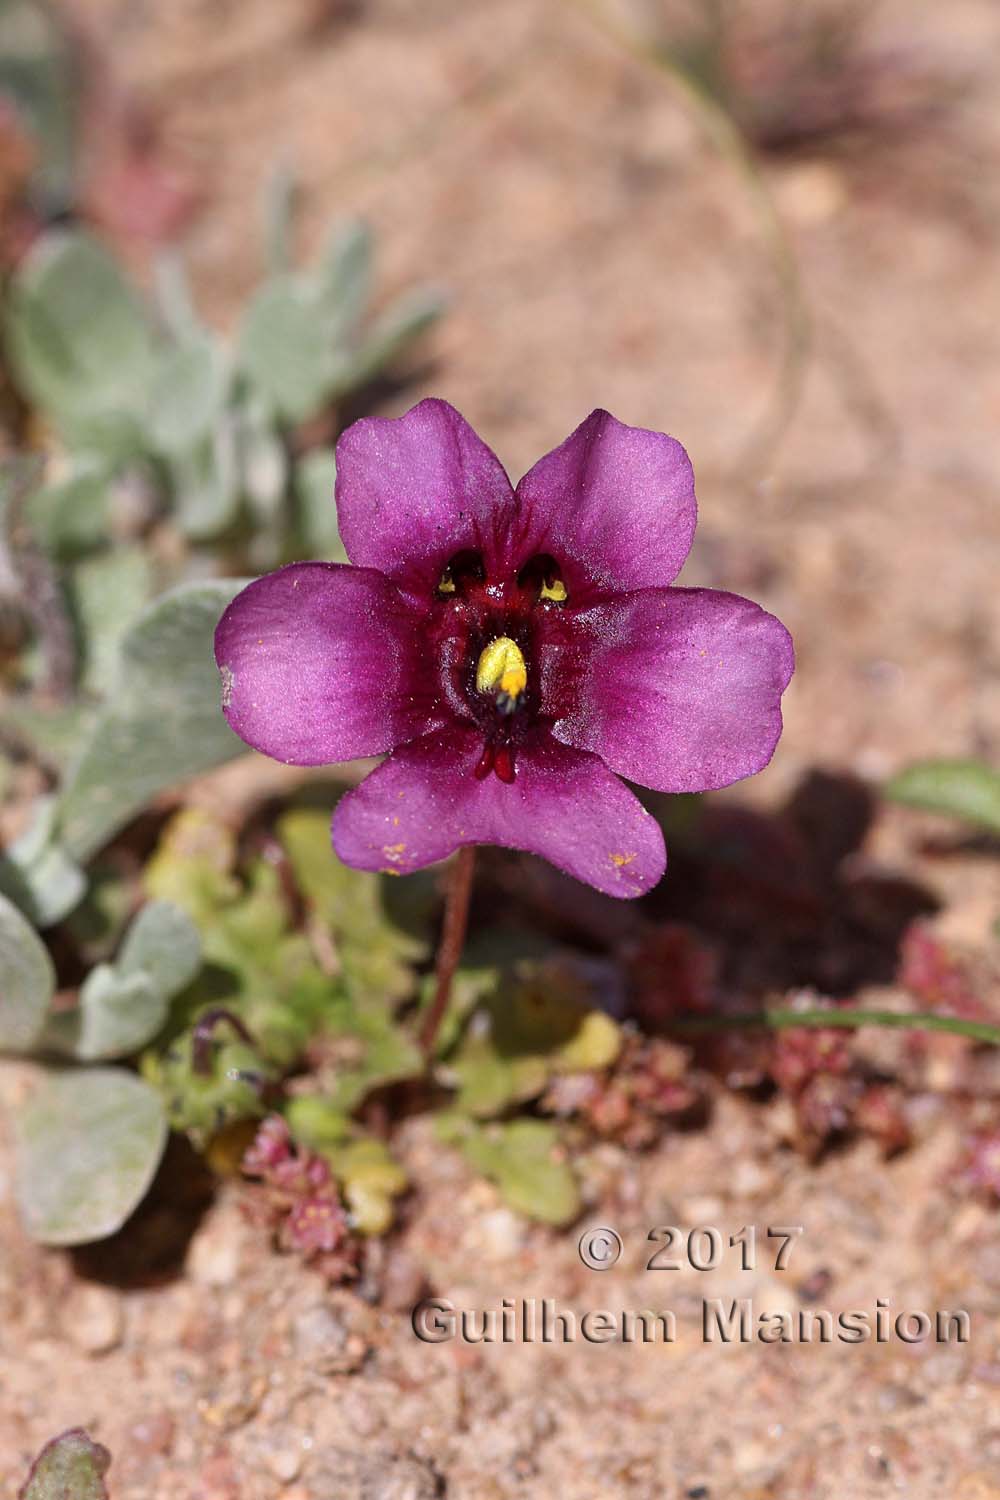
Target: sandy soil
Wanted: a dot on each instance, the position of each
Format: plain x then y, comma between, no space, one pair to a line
600,252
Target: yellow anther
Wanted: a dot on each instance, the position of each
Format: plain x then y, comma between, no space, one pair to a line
501,670
556,591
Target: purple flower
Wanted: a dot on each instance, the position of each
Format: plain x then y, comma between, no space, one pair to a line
516,650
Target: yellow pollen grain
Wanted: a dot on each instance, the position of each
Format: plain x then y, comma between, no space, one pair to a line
388,870
501,667
621,860
556,591
393,851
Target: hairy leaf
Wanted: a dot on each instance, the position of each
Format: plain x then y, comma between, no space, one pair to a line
88,1144
37,874
187,394
345,276
287,346
27,980
314,480
123,1005
163,724
77,334
399,326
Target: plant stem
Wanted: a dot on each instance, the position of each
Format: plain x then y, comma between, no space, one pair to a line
782,1020
456,919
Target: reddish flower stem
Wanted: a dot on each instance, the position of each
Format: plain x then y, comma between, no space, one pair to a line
456,920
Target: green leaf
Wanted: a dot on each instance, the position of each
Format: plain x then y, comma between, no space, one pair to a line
187,395
88,1144
193,866
257,966
36,872
315,1123
287,346
345,275
206,484
538,1020
27,981
55,731
69,1467
202,1104
489,1083
108,592
162,943
263,480
39,75
368,1175
263,463
965,789
124,1005
163,724
379,1052
115,1016
371,1179
375,953
314,481
77,334
525,1160
174,302
398,327
71,517
280,195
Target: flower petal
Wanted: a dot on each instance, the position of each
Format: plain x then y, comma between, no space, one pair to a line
424,801
683,687
614,505
413,491
321,662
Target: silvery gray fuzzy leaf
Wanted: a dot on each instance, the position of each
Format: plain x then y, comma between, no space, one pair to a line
77,334
162,724
87,1146
38,874
124,1004
27,980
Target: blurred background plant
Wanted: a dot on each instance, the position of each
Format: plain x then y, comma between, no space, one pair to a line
177,453
793,77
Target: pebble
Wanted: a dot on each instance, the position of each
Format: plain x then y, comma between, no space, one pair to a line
324,1338
812,192
702,1210
375,1476
93,1319
403,1281
976,1485
284,1462
751,1456
772,1297
233,1402
214,1256
750,1179
153,1435
501,1233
